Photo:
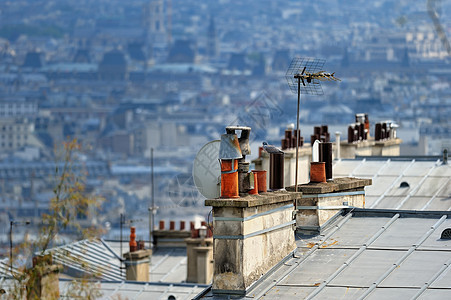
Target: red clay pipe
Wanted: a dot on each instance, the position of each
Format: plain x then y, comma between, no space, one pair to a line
254,191
317,172
132,244
229,178
261,178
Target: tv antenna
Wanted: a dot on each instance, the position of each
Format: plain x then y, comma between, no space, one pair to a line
304,76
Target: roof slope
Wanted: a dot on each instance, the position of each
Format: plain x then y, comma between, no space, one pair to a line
89,257
101,259
368,254
429,182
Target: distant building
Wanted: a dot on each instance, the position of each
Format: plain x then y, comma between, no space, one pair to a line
212,40
15,134
183,51
119,141
434,139
281,60
237,62
113,66
33,60
82,56
18,108
136,52
154,22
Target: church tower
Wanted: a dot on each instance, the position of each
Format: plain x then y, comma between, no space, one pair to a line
155,23
212,40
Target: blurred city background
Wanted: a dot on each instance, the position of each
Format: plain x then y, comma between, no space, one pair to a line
125,77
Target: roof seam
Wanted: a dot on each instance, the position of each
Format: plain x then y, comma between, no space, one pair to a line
304,257
433,279
417,187
403,258
353,257
436,194
392,185
358,166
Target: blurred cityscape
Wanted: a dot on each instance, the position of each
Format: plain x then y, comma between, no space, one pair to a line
124,77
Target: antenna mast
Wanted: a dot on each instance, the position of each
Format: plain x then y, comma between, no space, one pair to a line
308,72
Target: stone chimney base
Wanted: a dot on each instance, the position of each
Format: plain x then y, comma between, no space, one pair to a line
251,235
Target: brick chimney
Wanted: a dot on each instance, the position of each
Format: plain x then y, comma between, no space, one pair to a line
136,261
171,237
44,279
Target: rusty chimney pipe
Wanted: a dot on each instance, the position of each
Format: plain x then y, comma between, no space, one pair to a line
326,157
276,162
367,125
378,132
362,131
350,134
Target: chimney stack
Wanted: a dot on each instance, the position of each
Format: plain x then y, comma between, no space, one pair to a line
199,250
44,278
250,236
136,261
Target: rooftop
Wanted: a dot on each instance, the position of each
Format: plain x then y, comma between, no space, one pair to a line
167,265
367,254
426,181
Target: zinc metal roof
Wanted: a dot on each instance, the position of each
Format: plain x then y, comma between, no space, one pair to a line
110,290
368,254
141,291
429,182
6,270
102,259
93,257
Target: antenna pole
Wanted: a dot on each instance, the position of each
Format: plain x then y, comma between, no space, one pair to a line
11,223
297,135
152,208
310,72
121,222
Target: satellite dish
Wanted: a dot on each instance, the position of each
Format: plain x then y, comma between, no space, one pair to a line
207,170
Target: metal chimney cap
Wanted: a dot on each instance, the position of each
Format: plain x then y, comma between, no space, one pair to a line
238,128
229,147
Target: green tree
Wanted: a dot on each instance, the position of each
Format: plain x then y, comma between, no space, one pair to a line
68,204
